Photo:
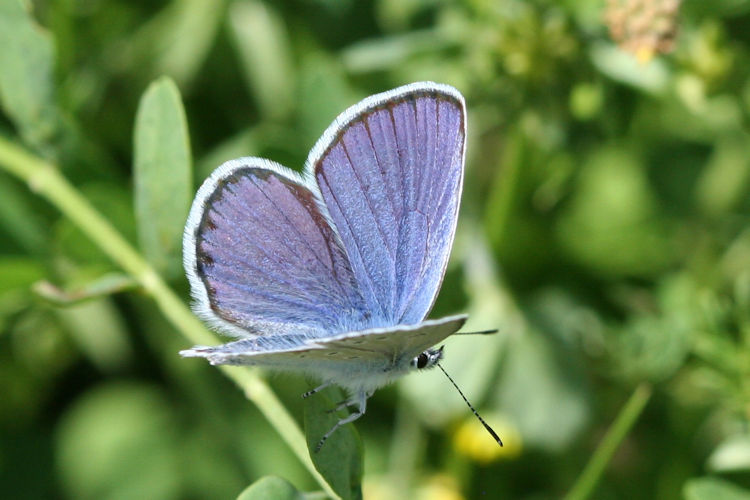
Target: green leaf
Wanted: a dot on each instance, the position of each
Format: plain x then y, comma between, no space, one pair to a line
184,36
26,84
176,41
262,43
102,286
98,329
612,223
710,488
542,389
163,175
652,77
270,488
722,184
652,346
118,441
387,52
340,458
732,455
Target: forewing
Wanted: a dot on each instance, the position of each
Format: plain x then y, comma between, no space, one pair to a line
261,257
390,171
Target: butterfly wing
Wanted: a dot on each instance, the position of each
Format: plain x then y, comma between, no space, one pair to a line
377,345
390,171
361,244
262,259
406,341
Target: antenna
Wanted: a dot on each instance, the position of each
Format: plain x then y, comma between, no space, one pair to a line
476,414
480,332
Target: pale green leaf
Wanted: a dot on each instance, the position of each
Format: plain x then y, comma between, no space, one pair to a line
711,488
270,488
732,455
388,52
118,441
652,76
340,458
26,81
262,43
543,391
176,41
163,175
98,329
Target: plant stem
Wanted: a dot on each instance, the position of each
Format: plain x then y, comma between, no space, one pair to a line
45,180
587,481
504,189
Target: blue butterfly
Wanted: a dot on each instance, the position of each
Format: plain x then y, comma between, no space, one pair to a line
333,272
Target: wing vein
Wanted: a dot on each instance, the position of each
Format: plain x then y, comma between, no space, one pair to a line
254,243
366,197
296,229
370,283
383,177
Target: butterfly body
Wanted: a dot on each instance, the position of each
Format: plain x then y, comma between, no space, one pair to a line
333,272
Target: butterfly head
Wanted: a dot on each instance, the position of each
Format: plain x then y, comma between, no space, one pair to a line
427,359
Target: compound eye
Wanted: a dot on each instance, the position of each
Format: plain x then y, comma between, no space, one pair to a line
422,360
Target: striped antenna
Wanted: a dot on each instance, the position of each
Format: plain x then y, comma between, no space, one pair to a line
476,413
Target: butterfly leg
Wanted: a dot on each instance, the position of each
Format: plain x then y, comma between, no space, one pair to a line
341,405
317,389
351,418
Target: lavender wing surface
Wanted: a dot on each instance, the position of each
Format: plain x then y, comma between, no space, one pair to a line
390,172
262,259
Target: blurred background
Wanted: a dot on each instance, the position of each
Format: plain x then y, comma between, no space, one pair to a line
605,230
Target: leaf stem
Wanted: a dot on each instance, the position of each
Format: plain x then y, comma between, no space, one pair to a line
44,179
587,481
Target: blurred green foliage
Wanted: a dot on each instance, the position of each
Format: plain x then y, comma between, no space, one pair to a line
605,230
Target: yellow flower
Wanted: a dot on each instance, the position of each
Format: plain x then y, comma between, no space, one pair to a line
439,487
473,441
644,54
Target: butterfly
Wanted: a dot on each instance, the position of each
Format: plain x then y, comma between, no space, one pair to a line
333,272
